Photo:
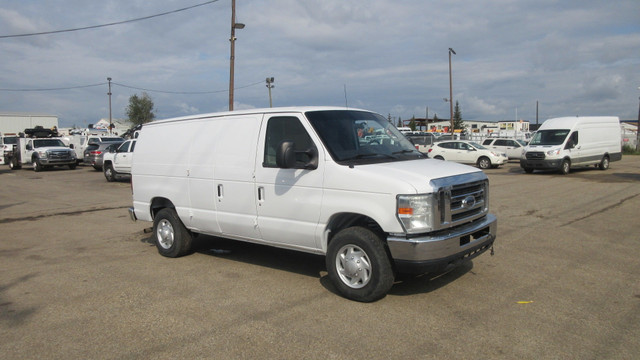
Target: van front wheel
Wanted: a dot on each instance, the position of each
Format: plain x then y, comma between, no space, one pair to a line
170,235
358,265
565,167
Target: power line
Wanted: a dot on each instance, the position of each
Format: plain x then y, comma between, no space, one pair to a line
55,89
109,24
131,87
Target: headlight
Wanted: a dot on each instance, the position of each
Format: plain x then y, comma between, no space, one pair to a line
42,154
417,212
553,152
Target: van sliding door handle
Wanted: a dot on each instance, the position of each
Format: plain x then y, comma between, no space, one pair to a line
260,194
220,192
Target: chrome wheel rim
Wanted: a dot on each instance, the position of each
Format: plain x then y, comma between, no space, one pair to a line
353,266
165,234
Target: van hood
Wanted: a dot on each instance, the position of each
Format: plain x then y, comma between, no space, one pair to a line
400,177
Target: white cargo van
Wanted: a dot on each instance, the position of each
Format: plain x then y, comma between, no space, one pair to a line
339,182
568,142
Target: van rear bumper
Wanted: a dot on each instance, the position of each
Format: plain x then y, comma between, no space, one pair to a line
132,214
439,251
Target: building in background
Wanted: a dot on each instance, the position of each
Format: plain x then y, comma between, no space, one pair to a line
15,123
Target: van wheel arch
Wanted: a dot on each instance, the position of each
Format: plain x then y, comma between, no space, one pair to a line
160,203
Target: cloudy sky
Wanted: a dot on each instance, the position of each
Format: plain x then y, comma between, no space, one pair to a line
574,57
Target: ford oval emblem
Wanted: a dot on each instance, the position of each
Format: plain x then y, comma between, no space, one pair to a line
468,202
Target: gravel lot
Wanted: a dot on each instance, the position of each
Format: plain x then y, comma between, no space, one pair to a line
79,280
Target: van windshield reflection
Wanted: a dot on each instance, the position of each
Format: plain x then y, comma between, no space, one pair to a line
353,136
549,137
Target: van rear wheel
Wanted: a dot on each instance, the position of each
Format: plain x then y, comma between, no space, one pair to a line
604,163
170,235
358,265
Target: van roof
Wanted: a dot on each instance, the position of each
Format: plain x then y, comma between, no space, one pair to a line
569,122
275,110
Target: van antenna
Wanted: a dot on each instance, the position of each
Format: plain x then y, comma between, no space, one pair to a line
346,103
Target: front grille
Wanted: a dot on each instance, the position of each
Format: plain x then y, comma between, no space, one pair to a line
467,200
59,155
535,155
459,203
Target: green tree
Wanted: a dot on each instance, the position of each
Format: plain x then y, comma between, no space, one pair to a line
140,109
457,117
412,124
435,118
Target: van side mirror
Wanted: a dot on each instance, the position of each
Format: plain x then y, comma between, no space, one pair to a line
285,155
71,146
28,147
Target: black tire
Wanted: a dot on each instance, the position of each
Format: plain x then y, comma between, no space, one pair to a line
528,170
37,166
359,265
565,167
13,164
604,163
72,166
109,173
170,235
484,163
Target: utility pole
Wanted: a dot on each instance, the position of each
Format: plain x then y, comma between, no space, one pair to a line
109,93
270,86
451,91
234,26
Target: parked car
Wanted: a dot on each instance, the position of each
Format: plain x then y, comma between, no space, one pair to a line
118,162
467,152
512,147
94,153
422,141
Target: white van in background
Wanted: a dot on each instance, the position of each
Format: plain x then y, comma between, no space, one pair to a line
310,179
568,142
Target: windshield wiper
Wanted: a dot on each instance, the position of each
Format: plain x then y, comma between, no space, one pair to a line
405,151
366,155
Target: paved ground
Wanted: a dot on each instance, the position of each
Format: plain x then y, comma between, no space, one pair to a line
79,280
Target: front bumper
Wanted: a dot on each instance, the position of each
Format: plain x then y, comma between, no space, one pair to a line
546,164
49,162
438,251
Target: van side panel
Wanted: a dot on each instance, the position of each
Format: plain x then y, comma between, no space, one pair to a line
161,169
234,142
200,176
598,138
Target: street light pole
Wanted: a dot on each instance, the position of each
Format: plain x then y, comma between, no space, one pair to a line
234,26
451,91
270,86
109,93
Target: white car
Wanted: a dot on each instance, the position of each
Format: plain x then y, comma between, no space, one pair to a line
467,152
512,147
119,161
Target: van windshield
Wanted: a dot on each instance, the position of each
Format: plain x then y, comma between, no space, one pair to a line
361,137
549,137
